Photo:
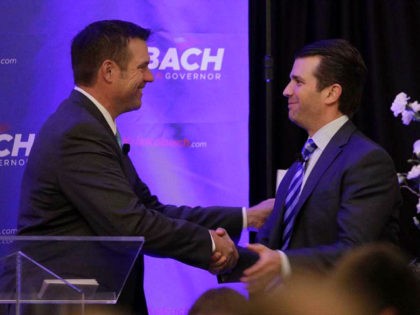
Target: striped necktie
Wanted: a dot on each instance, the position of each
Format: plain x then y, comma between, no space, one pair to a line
293,193
118,137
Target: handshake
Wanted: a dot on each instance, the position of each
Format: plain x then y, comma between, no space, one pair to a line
225,256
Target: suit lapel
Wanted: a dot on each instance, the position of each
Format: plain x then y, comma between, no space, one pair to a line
276,231
331,151
81,100
77,99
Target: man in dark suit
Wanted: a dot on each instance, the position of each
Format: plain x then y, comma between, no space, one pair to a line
344,194
79,181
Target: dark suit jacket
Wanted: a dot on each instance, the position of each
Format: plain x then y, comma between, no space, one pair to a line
351,197
79,182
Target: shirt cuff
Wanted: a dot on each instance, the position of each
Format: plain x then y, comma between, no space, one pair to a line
244,218
285,269
213,245
244,226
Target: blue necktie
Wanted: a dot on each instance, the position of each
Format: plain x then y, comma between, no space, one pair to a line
293,193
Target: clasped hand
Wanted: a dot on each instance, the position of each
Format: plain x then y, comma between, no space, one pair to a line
226,255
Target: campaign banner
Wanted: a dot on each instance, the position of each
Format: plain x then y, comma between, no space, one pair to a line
189,140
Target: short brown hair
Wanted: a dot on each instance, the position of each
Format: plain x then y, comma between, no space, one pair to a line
101,40
340,63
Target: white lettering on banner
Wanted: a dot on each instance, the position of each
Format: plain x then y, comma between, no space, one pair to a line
192,76
8,231
154,53
170,60
186,55
217,60
189,59
13,162
8,61
17,145
8,138
198,145
164,142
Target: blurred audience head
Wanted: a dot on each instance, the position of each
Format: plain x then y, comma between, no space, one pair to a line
374,279
306,293
220,301
379,275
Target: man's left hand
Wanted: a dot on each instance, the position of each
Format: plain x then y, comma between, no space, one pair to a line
257,214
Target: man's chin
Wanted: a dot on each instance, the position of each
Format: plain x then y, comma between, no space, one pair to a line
136,106
132,108
293,119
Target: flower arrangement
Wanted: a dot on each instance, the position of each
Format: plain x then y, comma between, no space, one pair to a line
410,111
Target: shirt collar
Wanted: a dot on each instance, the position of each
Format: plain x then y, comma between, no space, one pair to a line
323,136
101,108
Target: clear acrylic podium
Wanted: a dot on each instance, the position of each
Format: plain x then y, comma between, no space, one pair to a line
64,269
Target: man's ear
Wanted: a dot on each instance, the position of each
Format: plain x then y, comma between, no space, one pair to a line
107,70
333,93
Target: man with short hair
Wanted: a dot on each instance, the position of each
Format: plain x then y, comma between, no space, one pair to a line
79,181
343,191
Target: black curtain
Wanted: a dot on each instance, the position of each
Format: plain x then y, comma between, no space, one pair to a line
387,33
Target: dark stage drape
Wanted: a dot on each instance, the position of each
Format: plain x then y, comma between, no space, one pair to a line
387,32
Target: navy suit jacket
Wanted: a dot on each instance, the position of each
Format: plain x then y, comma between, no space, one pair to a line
79,182
351,197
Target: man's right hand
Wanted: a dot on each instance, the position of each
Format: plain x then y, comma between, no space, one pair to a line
226,255
265,274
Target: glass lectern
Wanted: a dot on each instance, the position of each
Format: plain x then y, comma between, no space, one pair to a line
64,269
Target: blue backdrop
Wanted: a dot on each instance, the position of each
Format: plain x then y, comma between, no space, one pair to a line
189,141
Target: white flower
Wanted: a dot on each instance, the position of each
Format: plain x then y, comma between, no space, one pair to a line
410,112
415,106
416,222
401,178
407,117
416,148
399,103
414,172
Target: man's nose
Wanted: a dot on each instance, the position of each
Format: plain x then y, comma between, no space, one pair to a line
287,90
148,77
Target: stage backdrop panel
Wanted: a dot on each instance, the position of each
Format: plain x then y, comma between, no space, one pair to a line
189,141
